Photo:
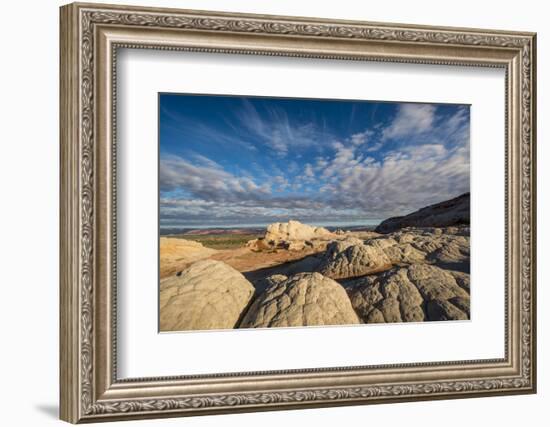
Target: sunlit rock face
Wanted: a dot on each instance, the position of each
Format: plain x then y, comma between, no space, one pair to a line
305,299
207,295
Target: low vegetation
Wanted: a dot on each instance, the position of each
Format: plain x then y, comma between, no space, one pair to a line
220,241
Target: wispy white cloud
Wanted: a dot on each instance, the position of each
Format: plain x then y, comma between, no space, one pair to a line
206,179
411,119
276,130
361,138
419,157
407,178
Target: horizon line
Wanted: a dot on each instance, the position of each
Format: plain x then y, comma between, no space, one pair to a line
371,222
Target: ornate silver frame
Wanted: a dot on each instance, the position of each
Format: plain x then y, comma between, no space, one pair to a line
90,36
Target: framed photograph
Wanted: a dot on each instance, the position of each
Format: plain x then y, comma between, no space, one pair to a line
266,212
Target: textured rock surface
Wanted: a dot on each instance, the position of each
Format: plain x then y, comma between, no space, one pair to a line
443,310
294,230
262,284
293,236
177,254
297,237
450,212
351,258
257,245
410,294
409,275
447,248
462,280
207,295
305,299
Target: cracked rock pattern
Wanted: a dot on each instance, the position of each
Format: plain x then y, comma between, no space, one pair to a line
447,248
351,258
413,293
305,299
207,295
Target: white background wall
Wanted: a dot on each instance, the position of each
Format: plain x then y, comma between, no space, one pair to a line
29,170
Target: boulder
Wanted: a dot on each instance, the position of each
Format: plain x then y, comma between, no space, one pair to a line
351,258
292,236
443,310
404,253
294,230
207,295
177,254
447,248
463,304
305,299
257,245
410,294
434,282
387,297
448,213
262,284
453,254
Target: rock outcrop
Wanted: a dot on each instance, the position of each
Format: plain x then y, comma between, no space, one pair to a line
416,270
177,254
445,247
265,283
450,212
410,294
294,230
293,236
258,245
305,299
351,258
207,295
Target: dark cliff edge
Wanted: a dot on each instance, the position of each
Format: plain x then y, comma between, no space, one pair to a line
444,214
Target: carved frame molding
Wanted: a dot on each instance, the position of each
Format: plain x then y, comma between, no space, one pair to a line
90,37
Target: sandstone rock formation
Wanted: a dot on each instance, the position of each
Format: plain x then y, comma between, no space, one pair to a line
293,236
305,299
309,276
410,294
258,245
294,230
207,295
176,254
265,283
351,258
447,248
450,212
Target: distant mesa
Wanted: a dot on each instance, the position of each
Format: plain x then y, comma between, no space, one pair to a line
444,214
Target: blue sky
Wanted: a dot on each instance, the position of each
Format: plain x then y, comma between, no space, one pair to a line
234,161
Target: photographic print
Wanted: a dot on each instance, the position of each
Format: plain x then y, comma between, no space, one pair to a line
313,201
291,212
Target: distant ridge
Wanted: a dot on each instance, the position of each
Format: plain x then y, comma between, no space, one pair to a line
444,214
